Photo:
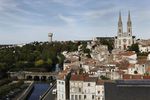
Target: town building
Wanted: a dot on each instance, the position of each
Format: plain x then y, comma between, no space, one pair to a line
84,87
63,85
144,46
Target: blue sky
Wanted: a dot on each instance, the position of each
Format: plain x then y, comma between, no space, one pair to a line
24,21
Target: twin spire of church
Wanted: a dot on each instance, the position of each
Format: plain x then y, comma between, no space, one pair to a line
129,24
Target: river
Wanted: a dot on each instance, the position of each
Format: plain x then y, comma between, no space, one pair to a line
39,89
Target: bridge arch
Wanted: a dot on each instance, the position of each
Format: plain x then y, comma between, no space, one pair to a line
43,78
29,77
36,78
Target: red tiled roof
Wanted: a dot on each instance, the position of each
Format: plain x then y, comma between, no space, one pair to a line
76,77
142,61
126,76
101,82
127,53
129,76
137,77
146,77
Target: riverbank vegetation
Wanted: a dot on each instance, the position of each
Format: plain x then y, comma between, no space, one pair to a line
38,56
5,89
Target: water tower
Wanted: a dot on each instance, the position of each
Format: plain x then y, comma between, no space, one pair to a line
50,35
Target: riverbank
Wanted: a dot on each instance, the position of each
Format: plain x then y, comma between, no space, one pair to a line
27,91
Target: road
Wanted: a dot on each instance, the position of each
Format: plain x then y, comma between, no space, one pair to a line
49,95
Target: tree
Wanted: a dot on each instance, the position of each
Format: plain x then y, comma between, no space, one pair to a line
134,47
39,63
104,77
49,61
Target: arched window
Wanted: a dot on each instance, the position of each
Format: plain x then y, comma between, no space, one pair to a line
119,42
129,42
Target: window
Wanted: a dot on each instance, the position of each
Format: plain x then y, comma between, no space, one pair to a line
62,83
119,30
62,96
88,90
76,97
129,29
102,92
79,89
84,96
119,34
143,65
92,96
79,97
120,47
88,84
72,97
119,42
129,42
102,98
98,92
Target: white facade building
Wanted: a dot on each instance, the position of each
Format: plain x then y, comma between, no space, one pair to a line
137,69
100,90
63,85
124,39
61,90
144,48
83,87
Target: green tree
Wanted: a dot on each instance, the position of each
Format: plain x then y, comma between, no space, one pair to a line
49,61
39,63
134,47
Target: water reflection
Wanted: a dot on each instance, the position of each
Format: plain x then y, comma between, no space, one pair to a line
39,89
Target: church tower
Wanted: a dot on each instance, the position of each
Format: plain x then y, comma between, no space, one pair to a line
120,25
129,25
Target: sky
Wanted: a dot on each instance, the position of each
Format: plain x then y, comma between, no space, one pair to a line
24,21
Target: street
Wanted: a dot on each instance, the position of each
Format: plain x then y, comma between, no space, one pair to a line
49,95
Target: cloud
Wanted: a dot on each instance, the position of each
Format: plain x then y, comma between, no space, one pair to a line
69,20
7,5
71,3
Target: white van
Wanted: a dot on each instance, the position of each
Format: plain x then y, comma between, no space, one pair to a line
54,91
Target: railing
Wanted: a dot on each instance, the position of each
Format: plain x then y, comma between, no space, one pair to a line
42,97
26,92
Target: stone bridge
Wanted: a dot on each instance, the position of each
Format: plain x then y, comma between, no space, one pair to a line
34,75
40,75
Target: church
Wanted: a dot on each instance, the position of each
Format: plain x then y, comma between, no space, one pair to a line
124,39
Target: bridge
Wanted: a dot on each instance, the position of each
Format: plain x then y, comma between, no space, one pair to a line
40,75
33,75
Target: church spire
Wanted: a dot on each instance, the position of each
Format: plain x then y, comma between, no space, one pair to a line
129,24
129,19
120,20
120,26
